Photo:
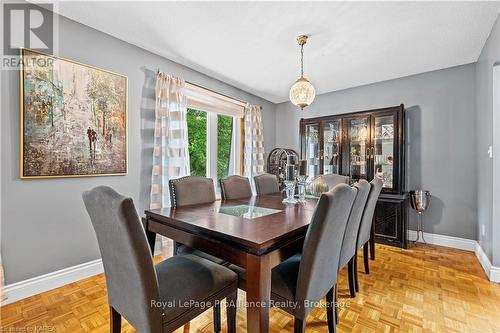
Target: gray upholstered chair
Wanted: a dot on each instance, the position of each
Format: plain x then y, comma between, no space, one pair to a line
187,191
266,183
194,190
333,180
235,187
145,294
349,249
191,190
366,224
306,278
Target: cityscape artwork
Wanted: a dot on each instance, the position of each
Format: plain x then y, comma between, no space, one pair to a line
73,118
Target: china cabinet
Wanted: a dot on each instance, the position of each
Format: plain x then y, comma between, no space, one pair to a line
362,145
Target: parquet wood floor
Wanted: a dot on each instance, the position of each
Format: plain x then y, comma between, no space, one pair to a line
424,289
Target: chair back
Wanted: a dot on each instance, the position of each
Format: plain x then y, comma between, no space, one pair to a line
321,252
367,219
191,190
333,180
128,266
266,183
235,187
352,229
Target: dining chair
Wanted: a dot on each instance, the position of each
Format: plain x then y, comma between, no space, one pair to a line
194,190
366,225
333,180
349,249
266,183
301,281
235,187
152,298
187,191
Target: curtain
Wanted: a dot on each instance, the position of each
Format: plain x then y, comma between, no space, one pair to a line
254,142
170,152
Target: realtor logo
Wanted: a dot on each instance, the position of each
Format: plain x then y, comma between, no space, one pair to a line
29,26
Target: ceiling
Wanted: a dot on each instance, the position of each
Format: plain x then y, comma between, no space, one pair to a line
252,45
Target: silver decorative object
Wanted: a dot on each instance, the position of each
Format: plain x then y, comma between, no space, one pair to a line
420,202
317,186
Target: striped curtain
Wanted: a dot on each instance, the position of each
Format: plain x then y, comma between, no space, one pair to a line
254,142
170,153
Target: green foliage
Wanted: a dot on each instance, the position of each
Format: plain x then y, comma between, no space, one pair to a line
224,136
197,138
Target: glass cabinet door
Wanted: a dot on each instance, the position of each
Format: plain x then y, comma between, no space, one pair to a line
384,148
359,140
312,149
331,147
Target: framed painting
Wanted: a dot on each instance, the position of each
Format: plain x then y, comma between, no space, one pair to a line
73,118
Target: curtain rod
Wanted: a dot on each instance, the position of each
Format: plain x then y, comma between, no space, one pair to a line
237,101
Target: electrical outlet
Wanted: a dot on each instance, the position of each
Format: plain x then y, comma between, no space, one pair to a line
483,230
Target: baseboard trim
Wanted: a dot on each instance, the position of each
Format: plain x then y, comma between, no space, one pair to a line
491,271
495,274
443,240
39,284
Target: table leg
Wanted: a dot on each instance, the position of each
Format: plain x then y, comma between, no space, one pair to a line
151,236
258,293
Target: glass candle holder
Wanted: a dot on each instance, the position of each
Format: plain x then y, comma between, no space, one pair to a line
301,186
290,192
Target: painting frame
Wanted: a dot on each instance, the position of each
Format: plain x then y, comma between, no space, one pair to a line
22,72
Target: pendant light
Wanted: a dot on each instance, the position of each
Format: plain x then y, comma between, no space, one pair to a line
302,92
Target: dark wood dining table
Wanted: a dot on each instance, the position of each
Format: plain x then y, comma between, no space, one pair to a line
256,243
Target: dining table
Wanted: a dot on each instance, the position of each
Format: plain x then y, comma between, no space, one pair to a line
256,233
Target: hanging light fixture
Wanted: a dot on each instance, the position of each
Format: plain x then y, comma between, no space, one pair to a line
302,92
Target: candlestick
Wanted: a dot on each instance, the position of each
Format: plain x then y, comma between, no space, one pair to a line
302,167
290,172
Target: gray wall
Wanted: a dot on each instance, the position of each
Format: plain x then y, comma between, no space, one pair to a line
441,115
44,225
490,241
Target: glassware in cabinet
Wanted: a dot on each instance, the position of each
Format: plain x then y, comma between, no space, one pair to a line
331,146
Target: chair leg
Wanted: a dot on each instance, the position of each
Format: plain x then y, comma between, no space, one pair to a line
217,318
365,257
337,318
115,321
299,326
355,271
372,241
350,275
330,310
232,301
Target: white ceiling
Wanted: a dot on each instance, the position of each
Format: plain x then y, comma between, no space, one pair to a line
252,45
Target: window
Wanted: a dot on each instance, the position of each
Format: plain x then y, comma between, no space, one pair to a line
213,144
197,137
224,142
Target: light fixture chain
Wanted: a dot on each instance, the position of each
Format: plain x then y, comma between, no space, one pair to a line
302,60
